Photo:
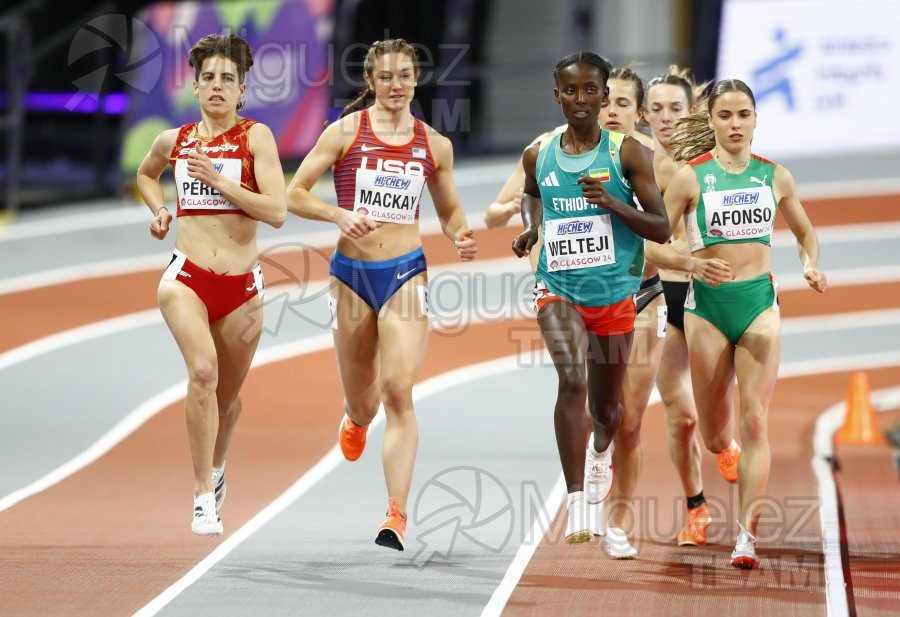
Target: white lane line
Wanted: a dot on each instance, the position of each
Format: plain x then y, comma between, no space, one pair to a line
326,465
827,424
77,335
140,319
840,321
428,226
438,275
488,174
526,551
514,573
843,277
836,234
146,410
523,556
875,187
315,240
126,213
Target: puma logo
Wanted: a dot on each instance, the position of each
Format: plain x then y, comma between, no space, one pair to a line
761,182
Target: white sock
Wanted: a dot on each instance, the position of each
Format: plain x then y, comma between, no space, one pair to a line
575,496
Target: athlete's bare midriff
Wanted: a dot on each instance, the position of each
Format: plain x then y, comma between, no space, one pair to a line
221,243
388,241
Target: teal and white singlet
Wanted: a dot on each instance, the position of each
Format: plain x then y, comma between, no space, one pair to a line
589,257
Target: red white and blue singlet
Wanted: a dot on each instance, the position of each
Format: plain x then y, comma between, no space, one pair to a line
231,157
382,181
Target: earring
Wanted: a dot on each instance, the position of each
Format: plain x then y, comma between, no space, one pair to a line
241,102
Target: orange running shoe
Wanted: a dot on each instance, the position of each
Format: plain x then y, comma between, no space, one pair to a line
352,438
694,532
727,460
390,534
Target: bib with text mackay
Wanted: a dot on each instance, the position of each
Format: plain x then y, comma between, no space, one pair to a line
388,197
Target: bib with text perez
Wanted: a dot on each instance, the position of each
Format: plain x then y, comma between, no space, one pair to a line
388,197
195,195
579,242
740,214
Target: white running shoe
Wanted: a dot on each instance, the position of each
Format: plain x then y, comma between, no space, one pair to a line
744,554
218,481
206,519
598,473
596,518
577,530
617,544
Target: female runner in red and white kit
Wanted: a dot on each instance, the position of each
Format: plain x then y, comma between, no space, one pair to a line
228,178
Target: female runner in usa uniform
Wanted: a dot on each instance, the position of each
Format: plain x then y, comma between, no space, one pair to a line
382,157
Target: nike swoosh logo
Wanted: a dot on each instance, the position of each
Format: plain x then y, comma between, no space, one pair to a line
251,288
368,148
403,275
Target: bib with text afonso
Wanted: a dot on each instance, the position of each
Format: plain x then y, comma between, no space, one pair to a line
195,195
581,242
740,214
388,198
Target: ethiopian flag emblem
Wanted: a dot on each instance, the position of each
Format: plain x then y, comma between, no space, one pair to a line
602,174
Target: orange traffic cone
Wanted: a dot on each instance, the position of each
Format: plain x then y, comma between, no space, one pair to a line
860,425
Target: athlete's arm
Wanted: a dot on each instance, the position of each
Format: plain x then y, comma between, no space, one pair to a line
446,201
509,201
664,169
532,206
795,216
328,150
268,205
651,223
151,190
683,192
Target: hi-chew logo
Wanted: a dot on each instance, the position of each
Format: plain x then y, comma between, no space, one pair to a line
129,38
574,227
740,199
392,182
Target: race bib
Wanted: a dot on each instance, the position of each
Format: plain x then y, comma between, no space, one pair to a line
582,242
740,214
389,198
195,195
